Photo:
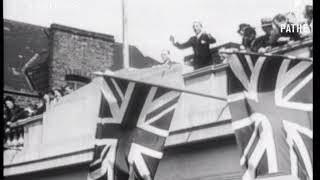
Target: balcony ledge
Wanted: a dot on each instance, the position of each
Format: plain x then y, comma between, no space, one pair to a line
205,70
217,130
23,122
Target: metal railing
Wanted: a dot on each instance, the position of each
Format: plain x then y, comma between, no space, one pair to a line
216,59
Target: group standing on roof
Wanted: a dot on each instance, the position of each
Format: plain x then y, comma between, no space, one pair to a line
275,34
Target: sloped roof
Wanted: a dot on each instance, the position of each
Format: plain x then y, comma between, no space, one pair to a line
21,43
137,59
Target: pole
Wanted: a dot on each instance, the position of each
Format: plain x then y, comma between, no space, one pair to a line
131,172
125,45
163,86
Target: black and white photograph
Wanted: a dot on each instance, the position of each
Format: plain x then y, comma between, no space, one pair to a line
158,90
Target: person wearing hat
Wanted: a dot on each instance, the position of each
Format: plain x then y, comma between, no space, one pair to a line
281,20
200,44
262,43
248,34
266,25
242,28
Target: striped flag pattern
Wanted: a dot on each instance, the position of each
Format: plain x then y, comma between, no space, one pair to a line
271,100
135,121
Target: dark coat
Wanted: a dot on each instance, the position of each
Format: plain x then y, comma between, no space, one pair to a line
17,113
41,109
201,49
260,42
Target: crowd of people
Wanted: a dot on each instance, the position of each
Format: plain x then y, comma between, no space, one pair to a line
13,112
279,31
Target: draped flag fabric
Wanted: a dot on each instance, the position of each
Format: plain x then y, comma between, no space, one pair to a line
135,121
271,103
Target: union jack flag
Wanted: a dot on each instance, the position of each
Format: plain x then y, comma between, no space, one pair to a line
271,101
135,121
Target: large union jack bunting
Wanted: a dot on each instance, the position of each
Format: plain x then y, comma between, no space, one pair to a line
135,121
271,100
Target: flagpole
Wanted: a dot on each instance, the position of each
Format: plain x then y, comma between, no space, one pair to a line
131,172
162,86
125,44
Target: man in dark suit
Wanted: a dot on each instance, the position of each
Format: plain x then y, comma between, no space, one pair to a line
200,45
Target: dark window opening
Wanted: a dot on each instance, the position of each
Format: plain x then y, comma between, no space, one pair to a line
76,81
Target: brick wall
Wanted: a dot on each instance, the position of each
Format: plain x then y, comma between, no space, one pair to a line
71,52
78,51
22,101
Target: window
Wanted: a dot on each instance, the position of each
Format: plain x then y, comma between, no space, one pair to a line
76,81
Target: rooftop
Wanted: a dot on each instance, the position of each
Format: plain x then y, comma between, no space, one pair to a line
22,41
82,32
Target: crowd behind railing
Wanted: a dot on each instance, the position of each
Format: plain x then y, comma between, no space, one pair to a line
12,113
280,30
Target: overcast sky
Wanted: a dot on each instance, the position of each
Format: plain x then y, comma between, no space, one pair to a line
151,22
